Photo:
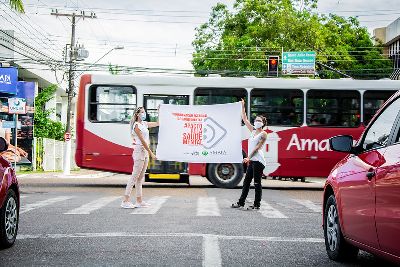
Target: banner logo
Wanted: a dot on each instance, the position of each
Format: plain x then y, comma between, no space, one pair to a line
213,133
5,79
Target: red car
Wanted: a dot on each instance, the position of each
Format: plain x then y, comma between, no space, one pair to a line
9,201
362,193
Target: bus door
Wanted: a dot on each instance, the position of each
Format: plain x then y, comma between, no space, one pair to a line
163,171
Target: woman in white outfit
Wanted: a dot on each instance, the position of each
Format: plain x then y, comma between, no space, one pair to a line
141,152
255,159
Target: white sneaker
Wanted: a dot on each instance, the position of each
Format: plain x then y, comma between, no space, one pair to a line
127,205
142,204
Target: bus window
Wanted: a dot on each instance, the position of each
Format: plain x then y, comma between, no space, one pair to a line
333,108
111,103
373,100
209,96
281,107
152,102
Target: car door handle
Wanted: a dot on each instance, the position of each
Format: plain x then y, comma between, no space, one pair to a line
370,174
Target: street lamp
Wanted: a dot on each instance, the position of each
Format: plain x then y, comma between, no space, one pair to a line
118,47
67,152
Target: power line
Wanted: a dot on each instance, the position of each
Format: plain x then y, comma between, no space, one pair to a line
98,9
26,46
35,39
139,20
49,47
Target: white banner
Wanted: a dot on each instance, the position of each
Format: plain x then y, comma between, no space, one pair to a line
209,134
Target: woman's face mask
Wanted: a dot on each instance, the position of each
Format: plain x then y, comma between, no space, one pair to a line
258,124
143,116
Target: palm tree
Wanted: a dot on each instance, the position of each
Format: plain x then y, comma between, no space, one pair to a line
17,5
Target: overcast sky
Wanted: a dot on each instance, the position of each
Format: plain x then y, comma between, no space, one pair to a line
155,33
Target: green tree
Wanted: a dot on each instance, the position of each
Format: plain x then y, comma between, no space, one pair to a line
45,127
237,42
17,5
114,70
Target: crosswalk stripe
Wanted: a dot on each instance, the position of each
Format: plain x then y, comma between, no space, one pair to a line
268,211
93,205
23,196
156,203
207,206
43,203
211,251
309,204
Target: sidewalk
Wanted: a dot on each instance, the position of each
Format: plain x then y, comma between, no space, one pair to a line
85,177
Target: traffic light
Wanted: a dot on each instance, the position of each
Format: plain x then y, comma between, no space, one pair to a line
273,62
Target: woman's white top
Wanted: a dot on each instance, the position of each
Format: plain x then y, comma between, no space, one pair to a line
144,129
254,139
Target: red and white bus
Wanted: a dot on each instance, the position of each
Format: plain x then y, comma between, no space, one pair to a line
302,115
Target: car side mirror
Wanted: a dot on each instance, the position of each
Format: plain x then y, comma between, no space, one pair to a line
3,144
342,143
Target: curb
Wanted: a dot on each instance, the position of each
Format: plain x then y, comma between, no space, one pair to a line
86,176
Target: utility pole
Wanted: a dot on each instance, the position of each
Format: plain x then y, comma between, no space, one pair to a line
70,93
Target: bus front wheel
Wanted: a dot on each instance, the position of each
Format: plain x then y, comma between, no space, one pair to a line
225,175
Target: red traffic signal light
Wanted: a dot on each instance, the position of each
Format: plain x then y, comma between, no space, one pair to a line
273,65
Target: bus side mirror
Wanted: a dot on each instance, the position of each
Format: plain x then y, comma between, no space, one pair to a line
342,143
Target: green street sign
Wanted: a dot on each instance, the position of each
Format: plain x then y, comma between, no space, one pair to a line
298,63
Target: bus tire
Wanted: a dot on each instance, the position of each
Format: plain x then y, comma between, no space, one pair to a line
225,175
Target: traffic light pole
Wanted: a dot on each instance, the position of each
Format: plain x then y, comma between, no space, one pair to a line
67,139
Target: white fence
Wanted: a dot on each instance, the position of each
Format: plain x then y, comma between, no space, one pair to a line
53,152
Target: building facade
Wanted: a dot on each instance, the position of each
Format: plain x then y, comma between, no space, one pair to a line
389,36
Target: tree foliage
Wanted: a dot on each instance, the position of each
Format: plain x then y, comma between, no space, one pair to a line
114,70
17,5
237,42
45,127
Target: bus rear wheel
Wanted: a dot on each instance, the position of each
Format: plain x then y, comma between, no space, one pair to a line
225,175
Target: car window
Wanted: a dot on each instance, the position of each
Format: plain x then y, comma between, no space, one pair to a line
378,134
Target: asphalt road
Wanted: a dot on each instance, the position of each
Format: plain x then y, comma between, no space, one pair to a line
185,226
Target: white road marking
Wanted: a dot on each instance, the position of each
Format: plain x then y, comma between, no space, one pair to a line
207,206
309,204
269,212
43,203
23,196
156,203
211,251
93,205
189,235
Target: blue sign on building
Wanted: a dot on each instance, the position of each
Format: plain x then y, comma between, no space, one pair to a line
8,80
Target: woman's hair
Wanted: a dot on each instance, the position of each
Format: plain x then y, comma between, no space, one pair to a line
264,120
136,114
